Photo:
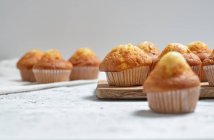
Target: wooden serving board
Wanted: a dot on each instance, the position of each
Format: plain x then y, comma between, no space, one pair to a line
104,91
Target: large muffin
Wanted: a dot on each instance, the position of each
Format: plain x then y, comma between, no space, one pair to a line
52,68
152,51
202,51
26,63
126,65
86,64
192,59
172,87
208,67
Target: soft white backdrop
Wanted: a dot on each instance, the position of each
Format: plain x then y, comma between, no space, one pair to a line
101,24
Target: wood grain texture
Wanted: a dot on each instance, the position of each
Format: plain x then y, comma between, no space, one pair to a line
104,91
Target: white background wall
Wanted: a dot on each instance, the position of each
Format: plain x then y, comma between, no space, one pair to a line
101,24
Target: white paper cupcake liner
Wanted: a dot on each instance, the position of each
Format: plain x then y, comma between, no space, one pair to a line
84,73
51,76
177,101
209,72
27,75
129,77
197,70
203,75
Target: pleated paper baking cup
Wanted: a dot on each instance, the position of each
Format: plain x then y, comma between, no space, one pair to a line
129,77
51,76
209,72
204,78
178,101
84,73
197,70
27,75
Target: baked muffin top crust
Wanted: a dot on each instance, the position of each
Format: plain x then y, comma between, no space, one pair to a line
177,47
84,57
149,47
191,58
209,60
52,59
29,59
171,73
200,48
124,57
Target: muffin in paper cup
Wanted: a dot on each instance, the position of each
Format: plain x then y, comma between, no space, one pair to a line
203,52
84,73
129,77
177,101
26,63
85,64
208,68
52,68
126,65
51,76
172,87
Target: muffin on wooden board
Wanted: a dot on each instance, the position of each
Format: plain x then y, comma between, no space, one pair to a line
202,51
26,63
172,87
126,65
85,65
192,59
208,67
151,49
52,68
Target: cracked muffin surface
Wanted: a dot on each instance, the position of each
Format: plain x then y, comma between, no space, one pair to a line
124,57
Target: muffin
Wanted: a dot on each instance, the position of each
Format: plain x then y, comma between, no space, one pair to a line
85,65
192,59
172,87
26,63
202,51
126,65
208,67
52,68
151,49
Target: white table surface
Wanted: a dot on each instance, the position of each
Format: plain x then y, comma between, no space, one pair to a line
75,112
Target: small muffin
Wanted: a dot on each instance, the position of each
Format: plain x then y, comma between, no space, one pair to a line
126,65
151,49
208,67
86,65
172,87
202,51
192,59
52,68
26,63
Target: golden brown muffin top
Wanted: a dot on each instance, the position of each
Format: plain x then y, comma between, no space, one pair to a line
84,57
177,47
210,60
124,57
29,59
52,59
149,48
171,73
191,58
200,48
